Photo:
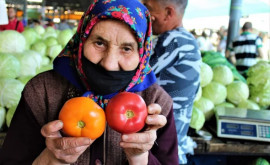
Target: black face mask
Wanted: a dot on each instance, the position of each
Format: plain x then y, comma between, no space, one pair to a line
105,82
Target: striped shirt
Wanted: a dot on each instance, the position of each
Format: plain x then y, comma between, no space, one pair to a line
176,62
245,48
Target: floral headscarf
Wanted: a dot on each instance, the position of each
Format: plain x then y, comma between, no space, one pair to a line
68,63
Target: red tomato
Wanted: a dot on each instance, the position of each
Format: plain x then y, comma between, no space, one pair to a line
82,117
126,112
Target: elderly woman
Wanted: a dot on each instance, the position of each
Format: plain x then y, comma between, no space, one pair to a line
108,54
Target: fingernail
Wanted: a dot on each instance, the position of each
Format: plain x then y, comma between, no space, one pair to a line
59,124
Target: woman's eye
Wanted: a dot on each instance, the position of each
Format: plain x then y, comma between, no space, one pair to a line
99,43
127,49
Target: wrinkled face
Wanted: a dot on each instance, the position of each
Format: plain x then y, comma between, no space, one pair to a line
112,45
11,13
158,14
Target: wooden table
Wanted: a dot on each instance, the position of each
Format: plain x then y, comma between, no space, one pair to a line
218,145
231,147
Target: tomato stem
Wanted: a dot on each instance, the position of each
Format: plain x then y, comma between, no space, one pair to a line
81,124
129,114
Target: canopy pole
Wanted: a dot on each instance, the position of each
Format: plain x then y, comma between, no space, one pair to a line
43,17
25,21
235,16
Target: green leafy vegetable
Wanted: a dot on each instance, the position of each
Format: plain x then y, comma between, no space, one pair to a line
206,74
197,119
248,104
11,41
64,36
2,116
10,92
9,66
206,106
222,74
215,92
259,83
237,91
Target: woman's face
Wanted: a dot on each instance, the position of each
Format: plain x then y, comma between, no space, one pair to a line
112,45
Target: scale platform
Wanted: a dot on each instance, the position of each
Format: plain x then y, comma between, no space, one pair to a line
246,124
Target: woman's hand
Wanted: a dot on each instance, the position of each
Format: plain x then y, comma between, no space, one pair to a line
61,150
137,145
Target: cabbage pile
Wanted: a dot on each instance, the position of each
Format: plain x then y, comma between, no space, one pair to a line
221,88
22,56
259,83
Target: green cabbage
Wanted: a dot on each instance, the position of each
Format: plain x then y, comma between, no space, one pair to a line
199,94
30,61
225,104
215,92
248,104
11,41
39,47
2,117
261,161
222,74
64,36
237,91
53,51
9,66
206,74
50,41
45,68
10,92
197,119
206,106
49,32
30,36
39,29
45,60
259,83
24,79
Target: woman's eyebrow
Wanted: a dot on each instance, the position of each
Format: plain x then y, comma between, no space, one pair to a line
98,37
131,44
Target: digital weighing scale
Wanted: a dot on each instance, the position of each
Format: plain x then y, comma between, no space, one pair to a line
239,123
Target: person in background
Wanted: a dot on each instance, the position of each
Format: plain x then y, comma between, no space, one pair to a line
13,23
204,42
221,47
176,62
108,54
50,23
244,50
63,25
266,44
33,23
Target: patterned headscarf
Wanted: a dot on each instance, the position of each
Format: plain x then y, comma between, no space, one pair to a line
68,63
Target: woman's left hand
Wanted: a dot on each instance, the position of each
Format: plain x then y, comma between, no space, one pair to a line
137,145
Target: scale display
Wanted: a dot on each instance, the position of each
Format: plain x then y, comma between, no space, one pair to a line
243,124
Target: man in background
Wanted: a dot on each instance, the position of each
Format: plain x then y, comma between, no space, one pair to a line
13,23
176,62
245,49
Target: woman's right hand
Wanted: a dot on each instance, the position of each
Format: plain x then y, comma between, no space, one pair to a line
61,150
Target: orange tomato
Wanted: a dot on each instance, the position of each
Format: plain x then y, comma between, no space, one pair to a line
82,117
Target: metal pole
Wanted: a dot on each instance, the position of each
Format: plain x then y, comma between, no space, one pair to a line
25,22
43,11
235,15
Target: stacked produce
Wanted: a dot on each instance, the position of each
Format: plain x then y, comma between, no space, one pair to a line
222,86
22,56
